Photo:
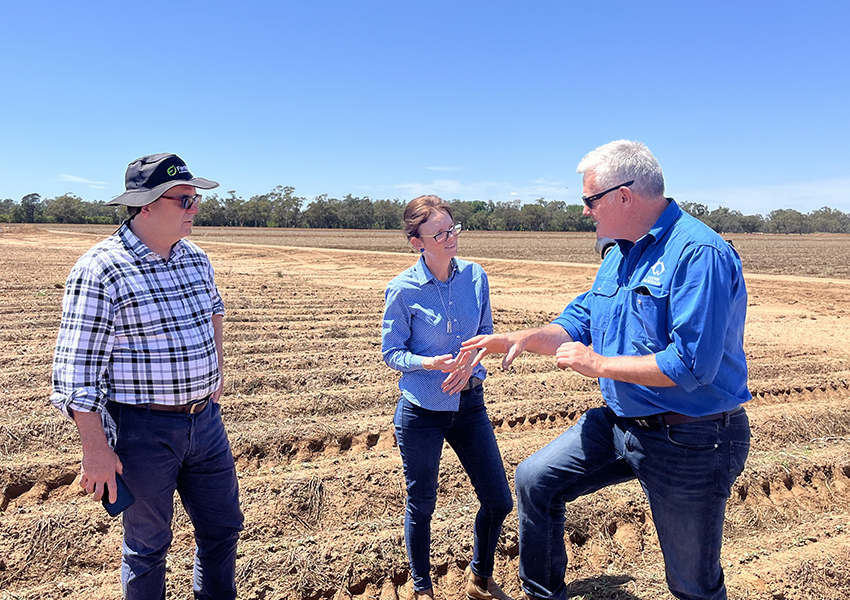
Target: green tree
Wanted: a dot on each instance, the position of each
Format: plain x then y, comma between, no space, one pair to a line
355,213
233,214
534,217
321,213
388,214
257,211
574,219
700,211
6,208
752,223
31,207
211,213
507,216
67,208
724,220
829,220
286,206
787,220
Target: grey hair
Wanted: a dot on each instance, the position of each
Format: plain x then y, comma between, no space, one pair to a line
621,161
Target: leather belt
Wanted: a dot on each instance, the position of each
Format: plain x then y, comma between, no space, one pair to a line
471,383
191,409
670,418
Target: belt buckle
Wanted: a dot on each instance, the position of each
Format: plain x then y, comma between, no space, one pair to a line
197,407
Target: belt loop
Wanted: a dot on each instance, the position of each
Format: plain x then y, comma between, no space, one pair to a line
726,419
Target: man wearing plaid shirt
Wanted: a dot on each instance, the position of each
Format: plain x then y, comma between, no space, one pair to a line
138,369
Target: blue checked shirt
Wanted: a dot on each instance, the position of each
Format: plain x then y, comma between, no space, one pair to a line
136,328
677,293
416,315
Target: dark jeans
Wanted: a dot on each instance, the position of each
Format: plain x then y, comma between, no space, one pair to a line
686,472
163,452
420,434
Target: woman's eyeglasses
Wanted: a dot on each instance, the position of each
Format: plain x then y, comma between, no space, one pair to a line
444,235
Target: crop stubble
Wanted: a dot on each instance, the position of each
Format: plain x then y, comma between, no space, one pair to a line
309,404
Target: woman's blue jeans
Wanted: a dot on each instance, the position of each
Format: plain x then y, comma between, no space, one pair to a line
163,452
420,434
686,472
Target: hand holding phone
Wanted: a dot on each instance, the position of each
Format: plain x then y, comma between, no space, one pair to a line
125,497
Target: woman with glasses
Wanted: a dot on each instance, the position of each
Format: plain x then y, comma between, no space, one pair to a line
430,309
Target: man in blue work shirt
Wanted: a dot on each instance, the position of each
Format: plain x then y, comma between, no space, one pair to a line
662,329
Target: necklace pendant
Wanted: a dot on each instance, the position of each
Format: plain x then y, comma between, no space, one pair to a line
448,326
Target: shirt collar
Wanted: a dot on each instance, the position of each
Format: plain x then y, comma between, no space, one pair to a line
664,222
424,275
138,247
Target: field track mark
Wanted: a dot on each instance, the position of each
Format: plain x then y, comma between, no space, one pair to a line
622,529
293,448
833,390
825,480
289,448
38,486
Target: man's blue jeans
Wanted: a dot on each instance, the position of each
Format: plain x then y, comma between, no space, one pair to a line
686,472
420,434
163,452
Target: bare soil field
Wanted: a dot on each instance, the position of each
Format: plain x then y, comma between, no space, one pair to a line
308,406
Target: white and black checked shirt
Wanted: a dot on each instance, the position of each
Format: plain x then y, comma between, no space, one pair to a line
136,328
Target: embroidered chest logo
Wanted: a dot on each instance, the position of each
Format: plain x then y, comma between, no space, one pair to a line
654,275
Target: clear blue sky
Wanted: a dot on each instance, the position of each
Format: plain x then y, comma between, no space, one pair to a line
745,104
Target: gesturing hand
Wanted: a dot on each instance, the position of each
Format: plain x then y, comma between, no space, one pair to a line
579,358
505,344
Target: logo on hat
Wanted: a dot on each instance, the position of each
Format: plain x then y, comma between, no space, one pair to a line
175,169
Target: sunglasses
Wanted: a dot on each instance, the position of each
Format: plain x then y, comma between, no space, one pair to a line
589,201
186,201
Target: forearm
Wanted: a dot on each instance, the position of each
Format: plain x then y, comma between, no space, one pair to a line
90,427
218,336
640,370
542,340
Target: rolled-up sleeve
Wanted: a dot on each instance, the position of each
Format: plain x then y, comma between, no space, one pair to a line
84,344
215,296
700,307
486,325
575,319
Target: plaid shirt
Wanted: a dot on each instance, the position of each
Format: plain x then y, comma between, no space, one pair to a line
136,328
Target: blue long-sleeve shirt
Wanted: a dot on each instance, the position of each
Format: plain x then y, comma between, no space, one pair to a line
677,293
424,317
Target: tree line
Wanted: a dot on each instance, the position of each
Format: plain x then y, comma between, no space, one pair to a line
282,208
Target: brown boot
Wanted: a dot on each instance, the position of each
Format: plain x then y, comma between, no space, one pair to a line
476,592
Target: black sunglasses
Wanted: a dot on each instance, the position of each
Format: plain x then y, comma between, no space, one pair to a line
590,200
186,201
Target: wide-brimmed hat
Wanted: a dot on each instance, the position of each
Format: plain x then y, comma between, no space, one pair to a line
149,177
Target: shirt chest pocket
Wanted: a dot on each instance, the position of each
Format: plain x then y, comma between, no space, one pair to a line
602,314
648,320
426,317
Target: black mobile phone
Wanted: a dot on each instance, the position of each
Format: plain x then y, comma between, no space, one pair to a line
125,497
